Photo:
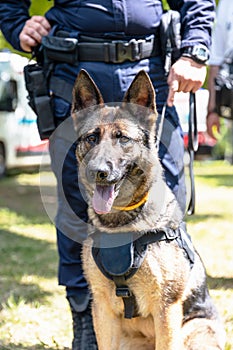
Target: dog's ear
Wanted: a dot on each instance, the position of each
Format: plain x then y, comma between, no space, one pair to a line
141,91
85,92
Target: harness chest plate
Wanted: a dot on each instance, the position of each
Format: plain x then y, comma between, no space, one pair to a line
119,256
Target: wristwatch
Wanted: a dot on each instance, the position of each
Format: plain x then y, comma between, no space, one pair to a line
199,53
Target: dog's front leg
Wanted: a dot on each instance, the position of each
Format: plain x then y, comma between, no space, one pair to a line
107,326
168,327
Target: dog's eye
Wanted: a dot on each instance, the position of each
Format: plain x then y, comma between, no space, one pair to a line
92,139
122,138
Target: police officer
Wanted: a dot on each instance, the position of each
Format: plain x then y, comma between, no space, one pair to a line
134,25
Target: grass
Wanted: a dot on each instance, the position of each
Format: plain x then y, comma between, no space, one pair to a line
34,313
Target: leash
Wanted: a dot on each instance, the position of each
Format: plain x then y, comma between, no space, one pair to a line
192,147
192,144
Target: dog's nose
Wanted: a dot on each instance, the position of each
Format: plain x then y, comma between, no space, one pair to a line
101,175
97,175
99,170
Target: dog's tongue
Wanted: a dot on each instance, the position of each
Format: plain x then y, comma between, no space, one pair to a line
103,199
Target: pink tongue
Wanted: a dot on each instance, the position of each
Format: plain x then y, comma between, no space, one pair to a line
103,199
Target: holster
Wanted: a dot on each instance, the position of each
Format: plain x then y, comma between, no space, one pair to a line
39,99
170,38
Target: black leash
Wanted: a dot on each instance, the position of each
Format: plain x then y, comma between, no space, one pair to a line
192,147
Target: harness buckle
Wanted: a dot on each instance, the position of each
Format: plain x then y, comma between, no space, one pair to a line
123,292
171,234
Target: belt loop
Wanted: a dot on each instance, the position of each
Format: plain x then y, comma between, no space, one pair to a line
106,52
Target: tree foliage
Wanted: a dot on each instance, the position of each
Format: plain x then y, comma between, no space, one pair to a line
37,8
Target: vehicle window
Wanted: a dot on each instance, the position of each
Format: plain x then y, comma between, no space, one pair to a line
8,95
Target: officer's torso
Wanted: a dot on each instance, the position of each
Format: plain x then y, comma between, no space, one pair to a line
100,16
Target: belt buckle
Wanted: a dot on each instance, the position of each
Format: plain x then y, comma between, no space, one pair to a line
128,51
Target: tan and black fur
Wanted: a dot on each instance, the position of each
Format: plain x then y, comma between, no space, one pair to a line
118,161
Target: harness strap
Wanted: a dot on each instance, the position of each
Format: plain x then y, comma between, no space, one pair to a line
129,300
129,257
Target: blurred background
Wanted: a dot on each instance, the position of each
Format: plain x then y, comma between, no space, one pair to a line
33,311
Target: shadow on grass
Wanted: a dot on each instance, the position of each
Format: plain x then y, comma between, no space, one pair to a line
202,217
218,179
220,282
24,199
11,346
24,260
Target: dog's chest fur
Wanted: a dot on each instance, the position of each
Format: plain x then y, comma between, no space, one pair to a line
159,281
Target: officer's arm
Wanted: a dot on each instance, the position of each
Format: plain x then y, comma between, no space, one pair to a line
197,18
212,116
13,16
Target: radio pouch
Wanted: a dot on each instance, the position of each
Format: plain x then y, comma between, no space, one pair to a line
39,99
60,49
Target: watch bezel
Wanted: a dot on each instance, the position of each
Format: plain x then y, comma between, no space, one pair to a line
194,53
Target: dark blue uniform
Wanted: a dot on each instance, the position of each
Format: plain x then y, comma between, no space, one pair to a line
118,19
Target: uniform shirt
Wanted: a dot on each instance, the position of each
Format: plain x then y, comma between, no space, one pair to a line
223,32
128,17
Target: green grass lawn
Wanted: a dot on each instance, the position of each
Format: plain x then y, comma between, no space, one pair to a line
34,313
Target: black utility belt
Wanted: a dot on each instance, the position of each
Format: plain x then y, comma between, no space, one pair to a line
71,50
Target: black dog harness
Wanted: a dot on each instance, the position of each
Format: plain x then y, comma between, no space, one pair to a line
119,260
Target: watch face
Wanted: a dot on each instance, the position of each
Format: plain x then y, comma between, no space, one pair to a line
200,52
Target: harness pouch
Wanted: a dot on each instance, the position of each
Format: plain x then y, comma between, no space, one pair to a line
114,260
60,49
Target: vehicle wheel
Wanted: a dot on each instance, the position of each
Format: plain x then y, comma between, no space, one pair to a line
2,161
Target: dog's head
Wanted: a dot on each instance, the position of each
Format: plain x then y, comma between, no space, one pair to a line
116,144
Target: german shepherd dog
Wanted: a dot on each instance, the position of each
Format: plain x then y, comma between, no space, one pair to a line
128,197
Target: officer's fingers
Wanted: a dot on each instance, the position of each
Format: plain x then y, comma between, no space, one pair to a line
42,21
173,88
35,29
27,42
31,35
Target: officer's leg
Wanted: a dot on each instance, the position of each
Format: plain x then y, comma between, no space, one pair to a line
171,153
71,231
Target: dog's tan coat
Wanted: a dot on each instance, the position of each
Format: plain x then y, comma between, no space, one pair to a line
165,281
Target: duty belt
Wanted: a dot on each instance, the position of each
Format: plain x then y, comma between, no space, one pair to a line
71,50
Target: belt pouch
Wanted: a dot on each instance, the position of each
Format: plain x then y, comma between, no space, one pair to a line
60,49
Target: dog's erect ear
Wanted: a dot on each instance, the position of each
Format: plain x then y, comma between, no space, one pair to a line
141,91
85,92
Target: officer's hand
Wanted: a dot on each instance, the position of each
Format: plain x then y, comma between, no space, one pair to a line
33,31
185,75
213,125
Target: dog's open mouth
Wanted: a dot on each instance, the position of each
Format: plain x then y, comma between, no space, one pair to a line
103,198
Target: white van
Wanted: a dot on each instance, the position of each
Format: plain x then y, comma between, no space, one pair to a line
20,144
